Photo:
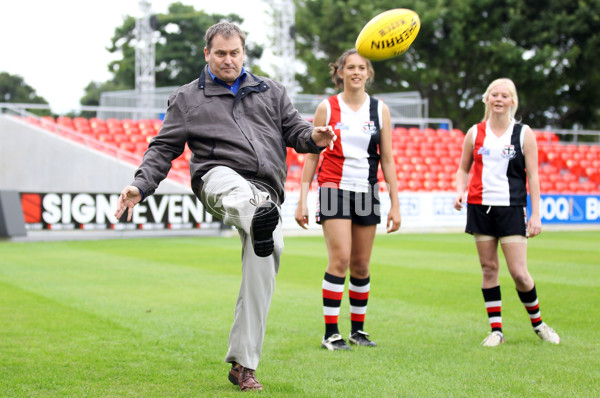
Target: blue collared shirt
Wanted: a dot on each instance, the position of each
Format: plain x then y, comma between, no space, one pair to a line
236,84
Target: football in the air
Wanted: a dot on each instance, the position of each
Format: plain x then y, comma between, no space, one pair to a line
388,34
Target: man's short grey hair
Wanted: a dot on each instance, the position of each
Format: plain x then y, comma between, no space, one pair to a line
225,29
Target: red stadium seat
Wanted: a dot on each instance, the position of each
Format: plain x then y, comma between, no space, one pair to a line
441,132
137,138
84,129
180,164
570,177
595,178
129,124
401,131
561,186
548,169
569,148
556,160
574,186
450,168
546,186
148,132
414,131
33,120
400,160
402,185
95,122
118,138
113,122
432,160
547,137
415,185
99,129
115,129
590,155
436,168
403,175
144,124
132,130
156,124
106,138
65,121
426,152
127,146
415,159
48,123
588,187
542,156
428,131
429,185
81,122
140,147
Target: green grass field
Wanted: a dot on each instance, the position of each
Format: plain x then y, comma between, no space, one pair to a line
151,318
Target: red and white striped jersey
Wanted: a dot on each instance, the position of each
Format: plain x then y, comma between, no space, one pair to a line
499,177
352,164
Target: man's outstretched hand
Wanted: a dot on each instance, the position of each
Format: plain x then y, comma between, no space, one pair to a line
129,197
324,136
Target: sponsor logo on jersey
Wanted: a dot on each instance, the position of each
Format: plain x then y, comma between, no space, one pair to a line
483,151
341,126
509,152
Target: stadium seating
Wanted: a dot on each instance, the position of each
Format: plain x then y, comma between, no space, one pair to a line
567,168
426,159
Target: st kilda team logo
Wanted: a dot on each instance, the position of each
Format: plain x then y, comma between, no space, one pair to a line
369,128
508,152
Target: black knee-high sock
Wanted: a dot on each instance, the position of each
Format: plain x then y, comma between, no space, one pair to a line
333,290
530,301
493,305
358,292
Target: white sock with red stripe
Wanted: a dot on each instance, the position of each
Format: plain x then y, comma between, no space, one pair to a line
358,291
493,305
530,301
333,290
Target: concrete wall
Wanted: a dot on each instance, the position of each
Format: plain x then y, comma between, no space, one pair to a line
35,160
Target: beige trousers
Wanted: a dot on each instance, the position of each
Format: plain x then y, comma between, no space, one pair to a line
229,196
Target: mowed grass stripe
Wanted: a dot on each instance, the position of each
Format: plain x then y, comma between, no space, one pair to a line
51,349
150,317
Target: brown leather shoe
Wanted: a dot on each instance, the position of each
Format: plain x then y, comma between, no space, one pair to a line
244,377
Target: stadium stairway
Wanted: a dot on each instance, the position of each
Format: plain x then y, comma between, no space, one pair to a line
426,159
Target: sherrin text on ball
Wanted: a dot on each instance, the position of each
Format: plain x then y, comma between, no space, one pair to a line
388,34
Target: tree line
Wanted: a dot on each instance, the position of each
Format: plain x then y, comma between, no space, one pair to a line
550,48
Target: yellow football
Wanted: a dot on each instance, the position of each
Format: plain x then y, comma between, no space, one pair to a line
388,34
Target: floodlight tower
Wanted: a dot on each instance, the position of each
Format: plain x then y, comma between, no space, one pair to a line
284,33
144,57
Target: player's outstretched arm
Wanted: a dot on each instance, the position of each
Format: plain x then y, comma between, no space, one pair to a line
129,197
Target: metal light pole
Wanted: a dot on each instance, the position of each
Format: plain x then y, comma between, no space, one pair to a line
144,58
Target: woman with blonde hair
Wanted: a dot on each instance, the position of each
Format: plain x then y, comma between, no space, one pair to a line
503,153
348,198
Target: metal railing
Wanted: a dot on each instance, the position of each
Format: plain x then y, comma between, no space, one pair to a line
304,101
577,134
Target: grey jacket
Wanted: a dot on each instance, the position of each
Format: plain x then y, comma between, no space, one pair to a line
248,132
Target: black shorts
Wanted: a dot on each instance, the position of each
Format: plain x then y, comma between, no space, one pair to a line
497,221
362,208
